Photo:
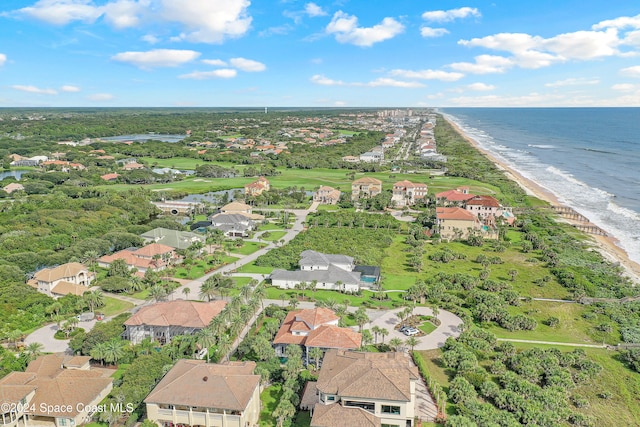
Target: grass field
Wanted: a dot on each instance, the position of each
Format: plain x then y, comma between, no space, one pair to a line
248,248
114,306
274,236
269,397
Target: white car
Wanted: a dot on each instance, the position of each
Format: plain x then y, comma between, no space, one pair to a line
410,331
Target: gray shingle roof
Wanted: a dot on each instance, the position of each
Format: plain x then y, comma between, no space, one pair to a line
314,258
332,275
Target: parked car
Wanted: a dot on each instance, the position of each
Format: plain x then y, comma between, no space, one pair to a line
410,331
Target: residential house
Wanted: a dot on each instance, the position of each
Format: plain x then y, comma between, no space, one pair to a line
14,186
406,193
454,197
164,320
335,272
176,207
257,187
110,176
233,225
350,159
456,223
372,157
133,166
365,187
55,390
154,256
377,389
240,208
195,393
175,238
326,195
70,278
316,327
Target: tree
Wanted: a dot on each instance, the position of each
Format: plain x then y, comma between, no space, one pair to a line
513,274
316,354
293,302
94,299
436,311
186,291
284,411
361,317
114,350
33,350
157,293
367,338
412,342
395,343
461,391
383,333
119,268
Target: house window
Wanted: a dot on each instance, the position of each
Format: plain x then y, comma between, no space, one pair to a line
388,409
331,398
367,406
62,421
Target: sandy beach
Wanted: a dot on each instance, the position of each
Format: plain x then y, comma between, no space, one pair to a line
605,245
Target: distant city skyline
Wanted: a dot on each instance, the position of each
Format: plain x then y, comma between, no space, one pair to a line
349,53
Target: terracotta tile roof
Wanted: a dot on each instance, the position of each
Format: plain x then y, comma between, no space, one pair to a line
367,375
455,214
188,314
367,180
299,327
153,249
331,336
69,269
207,385
315,317
130,259
66,288
405,183
336,415
57,386
484,201
454,196
284,335
110,176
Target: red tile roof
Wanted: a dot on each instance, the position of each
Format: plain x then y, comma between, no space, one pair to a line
484,201
330,336
188,314
454,196
455,214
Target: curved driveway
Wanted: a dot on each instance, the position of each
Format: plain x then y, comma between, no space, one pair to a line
449,327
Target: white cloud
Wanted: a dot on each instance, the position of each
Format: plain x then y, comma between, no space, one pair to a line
631,71
380,82
484,64
433,32
157,58
124,13
313,10
451,14
208,21
223,73
100,97
480,87
69,88
34,89
345,27
150,38
573,82
61,12
118,13
621,22
248,65
428,75
214,62
536,52
3,59
624,87
339,103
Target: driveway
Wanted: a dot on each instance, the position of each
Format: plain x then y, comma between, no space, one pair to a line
449,323
45,337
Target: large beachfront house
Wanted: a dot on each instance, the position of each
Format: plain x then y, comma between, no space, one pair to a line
55,390
335,272
195,393
154,256
364,389
365,187
317,328
164,320
407,193
70,278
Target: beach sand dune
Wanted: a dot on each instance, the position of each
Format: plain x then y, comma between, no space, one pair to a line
605,245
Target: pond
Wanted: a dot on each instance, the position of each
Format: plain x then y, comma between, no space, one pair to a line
16,174
212,196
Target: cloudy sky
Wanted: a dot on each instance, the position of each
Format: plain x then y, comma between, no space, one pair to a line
324,53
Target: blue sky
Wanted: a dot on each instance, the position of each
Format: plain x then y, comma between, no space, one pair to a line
371,53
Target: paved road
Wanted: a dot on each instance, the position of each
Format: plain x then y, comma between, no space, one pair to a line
449,327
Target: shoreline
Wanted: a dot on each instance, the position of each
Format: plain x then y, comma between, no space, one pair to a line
605,245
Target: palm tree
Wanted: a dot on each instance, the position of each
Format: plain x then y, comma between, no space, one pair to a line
313,286
376,331
157,293
94,299
412,342
91,258
435,310
367,338
208,289
383,333
293,302
98,352
361,318
114,350
395,343
33,350
316,354
186,291
206,338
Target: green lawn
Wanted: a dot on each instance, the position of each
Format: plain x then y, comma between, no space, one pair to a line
427,327
274,236
323,295
114,306
269,397
252,268
248,248
270,226
143,294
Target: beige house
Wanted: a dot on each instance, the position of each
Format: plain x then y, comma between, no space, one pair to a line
70,278
242,209
257,187
456,223
14,186
407,193
195,393
54,391
154,256
164,320
368,389
365,187
326,195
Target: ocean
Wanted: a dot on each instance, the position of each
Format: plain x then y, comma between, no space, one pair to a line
589,158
